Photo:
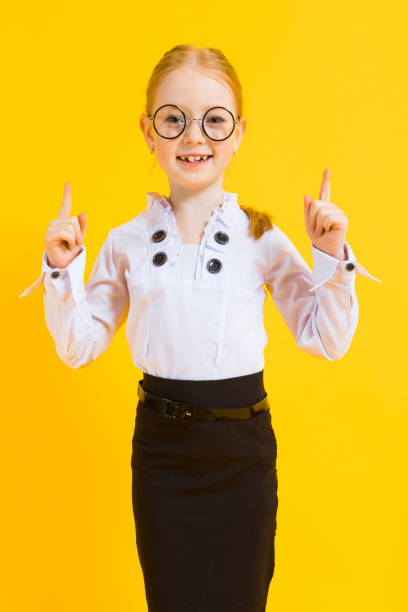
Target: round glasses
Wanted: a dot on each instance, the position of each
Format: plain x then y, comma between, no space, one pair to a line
169,121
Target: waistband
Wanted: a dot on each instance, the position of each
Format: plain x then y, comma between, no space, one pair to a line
222,392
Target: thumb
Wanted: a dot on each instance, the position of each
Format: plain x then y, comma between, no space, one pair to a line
82,222
307,202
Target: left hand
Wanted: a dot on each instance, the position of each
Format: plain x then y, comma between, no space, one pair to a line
326,223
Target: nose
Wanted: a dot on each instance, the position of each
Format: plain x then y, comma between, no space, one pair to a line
193,131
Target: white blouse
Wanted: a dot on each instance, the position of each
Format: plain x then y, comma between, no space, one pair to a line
197,311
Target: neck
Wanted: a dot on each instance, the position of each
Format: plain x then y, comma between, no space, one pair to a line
197,204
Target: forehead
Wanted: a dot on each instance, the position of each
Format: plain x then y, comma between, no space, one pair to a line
194,90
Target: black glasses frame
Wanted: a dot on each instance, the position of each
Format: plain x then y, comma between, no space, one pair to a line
236,122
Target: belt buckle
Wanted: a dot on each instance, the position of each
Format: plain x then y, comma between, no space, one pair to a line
177,411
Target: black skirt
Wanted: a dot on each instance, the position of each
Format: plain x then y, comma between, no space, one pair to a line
204,497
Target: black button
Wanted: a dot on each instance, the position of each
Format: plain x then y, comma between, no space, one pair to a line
159,259
55,274
214,265
159,236
221,237
349,267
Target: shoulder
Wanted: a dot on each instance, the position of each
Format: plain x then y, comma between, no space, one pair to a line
277,238
133,226
278,245
129,233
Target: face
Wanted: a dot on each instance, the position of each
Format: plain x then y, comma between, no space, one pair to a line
194,91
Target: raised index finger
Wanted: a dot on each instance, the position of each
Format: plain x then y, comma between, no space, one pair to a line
325,188
65,209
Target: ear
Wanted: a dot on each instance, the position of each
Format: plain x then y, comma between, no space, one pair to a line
147,129
241,127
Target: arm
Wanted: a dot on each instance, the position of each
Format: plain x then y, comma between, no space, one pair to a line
83,319
320,307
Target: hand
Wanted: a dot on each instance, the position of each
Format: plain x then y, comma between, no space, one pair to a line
65,234
326,223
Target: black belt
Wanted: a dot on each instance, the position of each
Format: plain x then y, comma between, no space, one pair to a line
188,412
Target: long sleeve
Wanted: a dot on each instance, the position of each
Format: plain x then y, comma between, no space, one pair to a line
319,306
83,319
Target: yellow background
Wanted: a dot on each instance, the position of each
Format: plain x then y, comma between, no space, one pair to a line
324,86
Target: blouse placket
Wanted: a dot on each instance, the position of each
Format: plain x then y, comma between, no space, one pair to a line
213,259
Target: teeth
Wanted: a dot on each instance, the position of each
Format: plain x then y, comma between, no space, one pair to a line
192,158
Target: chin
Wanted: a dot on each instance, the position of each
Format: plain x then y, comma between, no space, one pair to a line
196,178
196,184
193,178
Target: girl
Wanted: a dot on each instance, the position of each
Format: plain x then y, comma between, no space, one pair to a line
188,274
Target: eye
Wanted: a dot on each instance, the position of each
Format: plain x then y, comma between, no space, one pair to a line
174,119
215,120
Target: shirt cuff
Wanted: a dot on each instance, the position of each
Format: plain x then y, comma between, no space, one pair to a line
324,266
62,280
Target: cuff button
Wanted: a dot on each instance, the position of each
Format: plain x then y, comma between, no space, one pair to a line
350,267
55,274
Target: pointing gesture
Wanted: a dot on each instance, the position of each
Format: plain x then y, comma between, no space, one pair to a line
65,234
325,186
326,224
66,202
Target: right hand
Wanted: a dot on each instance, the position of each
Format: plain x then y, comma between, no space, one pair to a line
65,234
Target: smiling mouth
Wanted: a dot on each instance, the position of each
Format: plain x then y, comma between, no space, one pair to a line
195,160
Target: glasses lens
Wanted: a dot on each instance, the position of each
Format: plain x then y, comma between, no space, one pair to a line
169,121
218,123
